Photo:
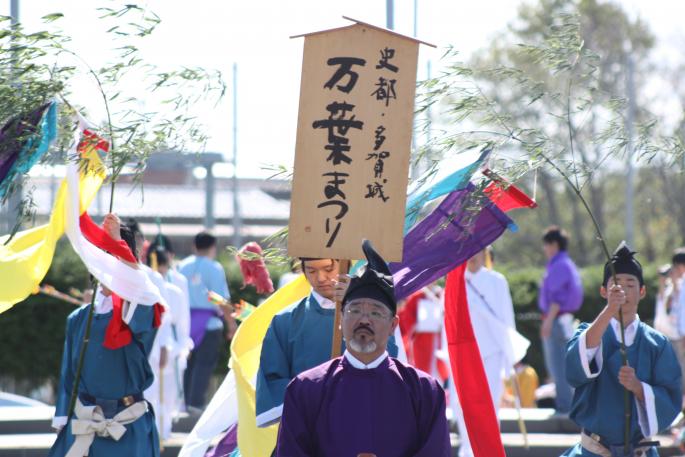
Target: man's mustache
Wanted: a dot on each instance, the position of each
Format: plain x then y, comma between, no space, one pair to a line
364,327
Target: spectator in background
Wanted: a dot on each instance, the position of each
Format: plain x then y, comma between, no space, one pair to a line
204,274
561,294
675,305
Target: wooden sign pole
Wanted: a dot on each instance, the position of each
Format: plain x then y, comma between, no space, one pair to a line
336,344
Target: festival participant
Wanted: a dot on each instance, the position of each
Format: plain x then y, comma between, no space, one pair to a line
115,373
204,274
421,320
172,275
166,393
365,402
594,367
492,318
299,338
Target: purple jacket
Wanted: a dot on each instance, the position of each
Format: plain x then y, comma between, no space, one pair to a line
561,284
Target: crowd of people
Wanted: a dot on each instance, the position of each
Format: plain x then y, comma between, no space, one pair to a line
393,387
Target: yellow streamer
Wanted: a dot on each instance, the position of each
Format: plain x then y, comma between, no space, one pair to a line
25,260
245,351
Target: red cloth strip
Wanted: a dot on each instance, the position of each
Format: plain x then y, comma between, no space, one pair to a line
118,334
101,239
468,372
510,198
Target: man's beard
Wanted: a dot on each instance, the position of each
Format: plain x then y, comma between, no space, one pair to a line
362,348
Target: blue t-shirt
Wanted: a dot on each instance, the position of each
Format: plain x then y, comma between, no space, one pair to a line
204,274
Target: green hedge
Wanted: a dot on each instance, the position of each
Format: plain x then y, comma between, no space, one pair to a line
32,332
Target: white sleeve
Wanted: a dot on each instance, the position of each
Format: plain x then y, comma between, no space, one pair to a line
58,422
646,413
588,354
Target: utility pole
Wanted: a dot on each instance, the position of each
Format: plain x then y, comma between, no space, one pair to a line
390,14
237,222
630,152
416,166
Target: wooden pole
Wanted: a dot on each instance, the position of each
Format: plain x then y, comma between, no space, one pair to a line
336,344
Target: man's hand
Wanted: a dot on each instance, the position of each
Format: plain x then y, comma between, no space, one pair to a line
231,327
163,358
627,378
546,327
615,299
341,287
112,225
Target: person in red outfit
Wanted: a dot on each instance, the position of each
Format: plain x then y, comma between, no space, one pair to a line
421,321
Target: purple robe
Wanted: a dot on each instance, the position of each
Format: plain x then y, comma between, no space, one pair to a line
392,410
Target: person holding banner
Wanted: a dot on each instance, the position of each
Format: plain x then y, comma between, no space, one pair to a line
365,402
594,367
111,417
299,338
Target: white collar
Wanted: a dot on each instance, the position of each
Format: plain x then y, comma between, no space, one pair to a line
630,330
355,362
469,274
103,304
323,301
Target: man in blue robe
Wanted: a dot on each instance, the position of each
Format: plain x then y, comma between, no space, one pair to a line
298,338
111,417
594,367
365,402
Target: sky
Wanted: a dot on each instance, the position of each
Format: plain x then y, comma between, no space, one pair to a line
255,35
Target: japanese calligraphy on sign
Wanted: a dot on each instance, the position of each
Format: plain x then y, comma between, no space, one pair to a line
353,142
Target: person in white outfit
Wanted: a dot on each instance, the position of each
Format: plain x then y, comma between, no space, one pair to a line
172,347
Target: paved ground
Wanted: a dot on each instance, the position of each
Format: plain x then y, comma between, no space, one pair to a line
26,432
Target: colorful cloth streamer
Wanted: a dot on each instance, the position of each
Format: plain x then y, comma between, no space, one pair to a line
23,141
428,190
25,260
246,349
460,226
508,197
468,372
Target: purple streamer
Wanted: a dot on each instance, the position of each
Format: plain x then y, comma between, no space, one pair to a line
462,225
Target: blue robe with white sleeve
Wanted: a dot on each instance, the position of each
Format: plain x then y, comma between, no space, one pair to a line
298,338
598,402
109,374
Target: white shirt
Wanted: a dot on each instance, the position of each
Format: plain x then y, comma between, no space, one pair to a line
491,308
103,304
355,362
323,301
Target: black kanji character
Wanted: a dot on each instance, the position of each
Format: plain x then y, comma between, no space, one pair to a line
344,69
387,54
386,90
337,129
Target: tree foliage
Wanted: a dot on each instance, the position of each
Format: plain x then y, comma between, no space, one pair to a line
549,96
43,65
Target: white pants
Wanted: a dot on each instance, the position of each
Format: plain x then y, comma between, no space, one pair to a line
494,371
171,396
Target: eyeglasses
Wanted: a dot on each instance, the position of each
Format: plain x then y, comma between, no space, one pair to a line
357,313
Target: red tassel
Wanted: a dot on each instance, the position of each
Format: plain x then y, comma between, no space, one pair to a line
254,271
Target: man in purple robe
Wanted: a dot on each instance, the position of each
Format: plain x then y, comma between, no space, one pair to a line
365,402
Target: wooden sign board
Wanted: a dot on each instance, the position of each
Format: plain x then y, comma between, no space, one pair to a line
353,143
